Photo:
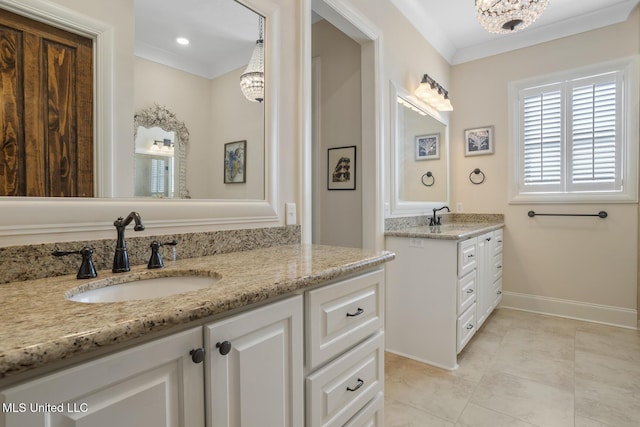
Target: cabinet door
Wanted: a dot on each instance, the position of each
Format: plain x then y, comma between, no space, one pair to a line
259,381
485,277
152,385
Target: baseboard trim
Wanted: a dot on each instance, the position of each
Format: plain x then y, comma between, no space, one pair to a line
596,313
418,359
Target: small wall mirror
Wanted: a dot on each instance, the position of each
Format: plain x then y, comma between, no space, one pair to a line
420,155
160,145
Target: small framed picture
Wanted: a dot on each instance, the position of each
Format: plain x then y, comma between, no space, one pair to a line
478,141
341,168
235,162
428,147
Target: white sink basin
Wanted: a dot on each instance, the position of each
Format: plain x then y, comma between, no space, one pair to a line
139,288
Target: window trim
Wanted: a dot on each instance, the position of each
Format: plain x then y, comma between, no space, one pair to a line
630,112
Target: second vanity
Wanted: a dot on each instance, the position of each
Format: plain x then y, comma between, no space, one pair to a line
445,282
288,335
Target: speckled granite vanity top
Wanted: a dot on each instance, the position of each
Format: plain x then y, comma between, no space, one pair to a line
39,325
454,226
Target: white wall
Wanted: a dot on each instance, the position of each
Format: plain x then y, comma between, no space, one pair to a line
588,264
339,212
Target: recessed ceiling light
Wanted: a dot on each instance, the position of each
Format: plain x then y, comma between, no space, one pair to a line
182,40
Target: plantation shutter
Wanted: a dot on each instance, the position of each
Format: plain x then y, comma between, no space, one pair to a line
542,128
594,133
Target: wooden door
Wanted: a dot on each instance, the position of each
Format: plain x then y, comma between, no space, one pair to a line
46,112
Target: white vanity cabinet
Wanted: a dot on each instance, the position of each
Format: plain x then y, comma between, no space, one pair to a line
439,292
152,385
345,352
254,373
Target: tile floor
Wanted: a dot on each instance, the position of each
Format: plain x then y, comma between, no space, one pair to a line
523,369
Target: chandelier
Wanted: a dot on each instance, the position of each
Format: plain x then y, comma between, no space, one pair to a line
507,16
252,80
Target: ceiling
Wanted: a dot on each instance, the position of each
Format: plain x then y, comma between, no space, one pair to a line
222,34
451,27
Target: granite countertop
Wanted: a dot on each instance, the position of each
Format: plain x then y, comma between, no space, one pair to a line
39,325
454,226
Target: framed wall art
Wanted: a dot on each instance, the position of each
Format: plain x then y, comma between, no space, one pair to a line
478,141
235,162
341,165
428,147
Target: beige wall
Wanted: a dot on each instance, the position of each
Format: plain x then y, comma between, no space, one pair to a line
215,112
338,212
587,260
233,118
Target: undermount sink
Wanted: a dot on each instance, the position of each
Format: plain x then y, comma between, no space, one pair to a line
139,287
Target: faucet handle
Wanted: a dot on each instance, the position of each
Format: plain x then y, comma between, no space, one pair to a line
87,269
156,259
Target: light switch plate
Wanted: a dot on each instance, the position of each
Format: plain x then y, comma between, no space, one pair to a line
290,213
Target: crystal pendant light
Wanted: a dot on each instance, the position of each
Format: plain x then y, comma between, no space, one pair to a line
252,80
508,16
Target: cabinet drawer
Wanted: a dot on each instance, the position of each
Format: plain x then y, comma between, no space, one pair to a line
466,327
338,391
497,241
338,316
467,255
371,415
497,266
467,289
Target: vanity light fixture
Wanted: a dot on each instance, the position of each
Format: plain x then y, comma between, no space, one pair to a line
508,16
182,40
433,94
252,80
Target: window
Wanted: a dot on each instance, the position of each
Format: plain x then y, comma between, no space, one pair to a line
575,136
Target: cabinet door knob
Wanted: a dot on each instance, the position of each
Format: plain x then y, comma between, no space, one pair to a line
358,312
197,355
499,292
488,239
358,385
224,346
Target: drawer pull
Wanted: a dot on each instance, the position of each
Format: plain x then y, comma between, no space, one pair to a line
470,256
500,241
499,266
360,384
469,326
469,291
488,239
357,313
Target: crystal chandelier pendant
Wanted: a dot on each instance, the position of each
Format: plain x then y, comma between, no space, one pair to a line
252,80
508,16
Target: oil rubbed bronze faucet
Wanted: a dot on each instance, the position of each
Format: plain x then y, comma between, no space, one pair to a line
435,220
121,257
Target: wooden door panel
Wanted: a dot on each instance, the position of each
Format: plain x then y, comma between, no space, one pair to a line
11,145
47,73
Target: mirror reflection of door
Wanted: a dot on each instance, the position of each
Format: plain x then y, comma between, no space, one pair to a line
155,163
46,123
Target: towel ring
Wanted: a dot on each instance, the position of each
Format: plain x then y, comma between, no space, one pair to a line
477,171
428,175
